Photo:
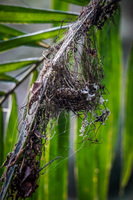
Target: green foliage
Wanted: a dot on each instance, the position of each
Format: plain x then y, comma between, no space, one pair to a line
86,176
100,153
29,38
7,32
111,61
16,64
11,132
127,147
7,78
78,2
59,147
15,14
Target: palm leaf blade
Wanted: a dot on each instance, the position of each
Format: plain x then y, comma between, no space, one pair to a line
85,165
16,64
11,132
29,38
111,52
15,14
127,144
4,77
78,2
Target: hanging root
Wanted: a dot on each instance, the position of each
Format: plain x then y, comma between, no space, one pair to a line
70,80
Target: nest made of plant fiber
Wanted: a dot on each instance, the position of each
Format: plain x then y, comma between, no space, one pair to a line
67,87
73,85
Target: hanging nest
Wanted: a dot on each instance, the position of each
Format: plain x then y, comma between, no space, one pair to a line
71,80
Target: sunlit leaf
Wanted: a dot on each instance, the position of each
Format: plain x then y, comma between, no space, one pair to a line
96,167
15,14
34,77
85,167
11,132
59,5
59,147
4,77
111,54
127,143
78,2
30,37
16,64
7,32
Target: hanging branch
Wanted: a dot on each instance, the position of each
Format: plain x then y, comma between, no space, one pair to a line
70,80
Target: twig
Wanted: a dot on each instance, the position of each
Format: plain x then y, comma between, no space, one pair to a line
49,163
